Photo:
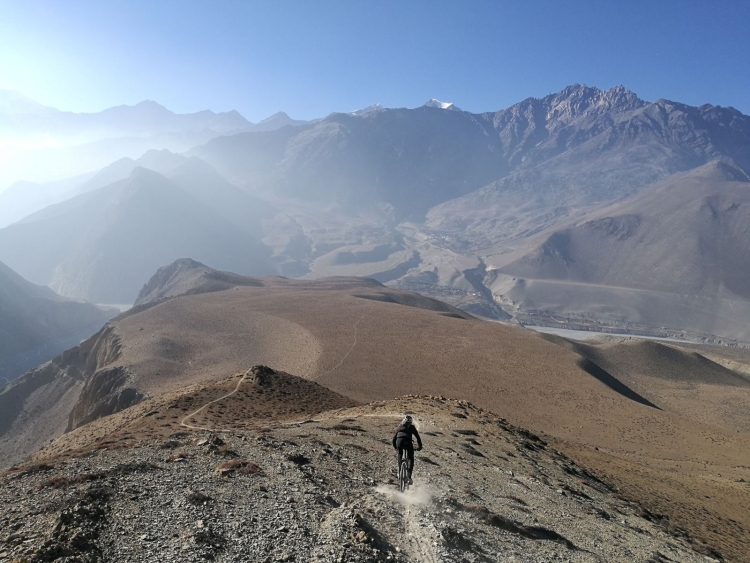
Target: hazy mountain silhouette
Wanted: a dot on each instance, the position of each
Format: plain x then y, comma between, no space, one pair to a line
14,103
24,198
144,119
36,324
104,244
48,144
411,159
277,120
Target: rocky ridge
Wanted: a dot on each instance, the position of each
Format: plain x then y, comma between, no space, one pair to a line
322,489
79,383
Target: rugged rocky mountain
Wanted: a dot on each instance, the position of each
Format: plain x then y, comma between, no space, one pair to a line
409,159
655,421
36,324
443,201
103,245
600,144
686,238
586,147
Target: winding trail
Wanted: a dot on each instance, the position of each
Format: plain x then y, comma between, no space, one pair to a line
338,365
192,414
184,423
356,327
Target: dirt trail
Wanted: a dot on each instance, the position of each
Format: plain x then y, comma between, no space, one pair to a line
354,344
201,409
425,552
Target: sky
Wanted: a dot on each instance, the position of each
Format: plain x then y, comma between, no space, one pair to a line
312,57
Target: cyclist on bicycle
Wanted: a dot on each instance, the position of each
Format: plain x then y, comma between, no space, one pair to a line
402,440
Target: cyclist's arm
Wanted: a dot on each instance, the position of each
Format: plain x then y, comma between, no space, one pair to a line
394,440
419,440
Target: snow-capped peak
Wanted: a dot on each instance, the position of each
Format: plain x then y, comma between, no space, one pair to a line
433,103
368,109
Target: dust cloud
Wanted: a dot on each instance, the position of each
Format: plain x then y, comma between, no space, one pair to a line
417,494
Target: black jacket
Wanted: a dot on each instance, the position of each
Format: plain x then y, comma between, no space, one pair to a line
405,434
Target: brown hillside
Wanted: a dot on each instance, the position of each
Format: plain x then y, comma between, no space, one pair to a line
356,338
675,256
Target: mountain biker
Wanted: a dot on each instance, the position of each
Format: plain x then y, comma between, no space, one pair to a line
402,440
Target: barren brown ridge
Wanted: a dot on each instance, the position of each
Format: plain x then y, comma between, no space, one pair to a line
681,452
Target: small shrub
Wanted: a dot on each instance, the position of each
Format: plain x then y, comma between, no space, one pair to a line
239,466
65,482
225,451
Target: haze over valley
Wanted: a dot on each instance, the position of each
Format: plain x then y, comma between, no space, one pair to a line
529,210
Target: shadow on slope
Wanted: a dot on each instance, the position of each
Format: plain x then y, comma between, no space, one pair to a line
613,383
596,371
641,357
417,301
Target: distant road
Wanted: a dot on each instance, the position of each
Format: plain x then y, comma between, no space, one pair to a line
121,306
588,334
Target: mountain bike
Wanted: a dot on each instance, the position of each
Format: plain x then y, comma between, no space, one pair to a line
403,471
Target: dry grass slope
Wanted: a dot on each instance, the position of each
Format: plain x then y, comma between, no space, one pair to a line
375,348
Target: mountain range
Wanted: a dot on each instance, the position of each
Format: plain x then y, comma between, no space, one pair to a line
43,144
289,279
461,195
529,210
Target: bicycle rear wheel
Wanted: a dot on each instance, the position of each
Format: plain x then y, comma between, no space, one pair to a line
403,475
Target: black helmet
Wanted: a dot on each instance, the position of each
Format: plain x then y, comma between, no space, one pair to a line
407,420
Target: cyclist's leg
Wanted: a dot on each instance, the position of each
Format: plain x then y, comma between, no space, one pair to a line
410,453
400,446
